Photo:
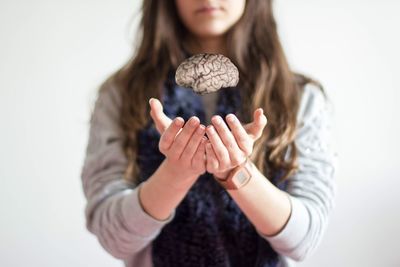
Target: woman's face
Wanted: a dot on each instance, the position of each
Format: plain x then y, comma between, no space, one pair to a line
209,18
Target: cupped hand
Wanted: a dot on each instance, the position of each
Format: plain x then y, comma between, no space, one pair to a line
226,148
183,144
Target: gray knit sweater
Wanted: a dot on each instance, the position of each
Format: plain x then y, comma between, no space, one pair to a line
126,231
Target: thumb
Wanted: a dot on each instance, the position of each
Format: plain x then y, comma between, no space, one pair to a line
161,120
255,128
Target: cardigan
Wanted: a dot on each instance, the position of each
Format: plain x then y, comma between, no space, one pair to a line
208,228
113,211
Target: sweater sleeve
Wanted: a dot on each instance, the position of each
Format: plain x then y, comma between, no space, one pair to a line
312,188
113,211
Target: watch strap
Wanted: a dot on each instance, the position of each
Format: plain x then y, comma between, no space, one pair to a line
238,177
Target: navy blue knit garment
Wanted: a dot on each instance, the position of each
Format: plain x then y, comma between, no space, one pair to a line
208,229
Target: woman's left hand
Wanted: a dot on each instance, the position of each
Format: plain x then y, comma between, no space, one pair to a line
227,149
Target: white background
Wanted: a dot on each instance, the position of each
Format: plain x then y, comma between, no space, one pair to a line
54,54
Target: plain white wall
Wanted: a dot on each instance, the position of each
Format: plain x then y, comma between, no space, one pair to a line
54,54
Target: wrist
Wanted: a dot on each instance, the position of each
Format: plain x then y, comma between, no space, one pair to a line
174,178
222,175
162,192
238,176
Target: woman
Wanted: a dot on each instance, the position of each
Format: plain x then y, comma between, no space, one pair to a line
153,170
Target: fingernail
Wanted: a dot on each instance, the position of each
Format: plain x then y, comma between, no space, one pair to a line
150,100
178,122
217,120
200,130
193,121
211,129
230,118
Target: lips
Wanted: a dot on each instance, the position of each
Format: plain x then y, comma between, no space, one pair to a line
208,9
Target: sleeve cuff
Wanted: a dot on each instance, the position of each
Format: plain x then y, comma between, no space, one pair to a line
295,229
137,219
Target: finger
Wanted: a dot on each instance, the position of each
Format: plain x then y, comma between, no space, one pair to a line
167,138
218,146
193,143
199,159
212,163
256,128
235,154
242,138
183,137
161,120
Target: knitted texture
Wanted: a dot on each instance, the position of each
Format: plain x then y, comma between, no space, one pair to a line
208,229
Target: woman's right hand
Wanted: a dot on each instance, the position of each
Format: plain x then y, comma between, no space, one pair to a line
183,144
184,148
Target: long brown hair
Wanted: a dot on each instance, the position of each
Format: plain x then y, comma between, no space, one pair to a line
253,46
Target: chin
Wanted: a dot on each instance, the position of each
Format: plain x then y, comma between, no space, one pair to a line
211,32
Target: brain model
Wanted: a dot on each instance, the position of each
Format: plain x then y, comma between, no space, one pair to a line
207,73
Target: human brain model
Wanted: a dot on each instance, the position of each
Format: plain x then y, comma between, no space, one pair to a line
207,73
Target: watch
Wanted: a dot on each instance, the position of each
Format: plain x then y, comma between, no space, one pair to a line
238,177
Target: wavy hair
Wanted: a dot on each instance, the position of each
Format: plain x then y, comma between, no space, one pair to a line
254,47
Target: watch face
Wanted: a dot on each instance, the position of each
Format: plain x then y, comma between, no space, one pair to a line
241,176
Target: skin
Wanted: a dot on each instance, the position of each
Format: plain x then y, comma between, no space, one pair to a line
207,29
186,145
